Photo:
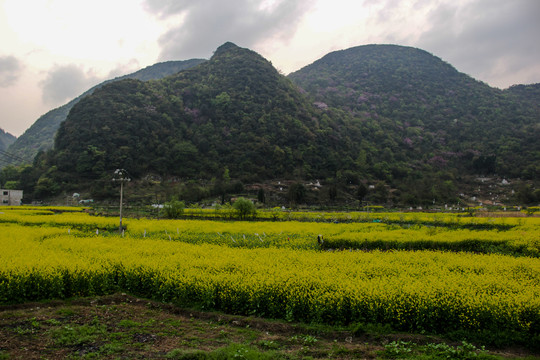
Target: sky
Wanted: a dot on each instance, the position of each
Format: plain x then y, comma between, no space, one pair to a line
53,50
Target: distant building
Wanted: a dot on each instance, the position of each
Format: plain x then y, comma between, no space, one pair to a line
11,197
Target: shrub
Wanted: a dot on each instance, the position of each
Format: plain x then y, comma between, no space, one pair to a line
244,208
173,209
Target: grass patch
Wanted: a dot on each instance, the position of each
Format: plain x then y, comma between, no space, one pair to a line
75,335
232,351
127,323
66,312
410,350
371,329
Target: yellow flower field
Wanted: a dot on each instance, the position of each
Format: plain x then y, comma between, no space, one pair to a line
291,277
522,236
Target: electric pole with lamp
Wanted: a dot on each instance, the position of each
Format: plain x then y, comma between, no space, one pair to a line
122,176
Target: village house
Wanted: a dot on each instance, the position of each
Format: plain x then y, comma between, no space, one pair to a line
11,197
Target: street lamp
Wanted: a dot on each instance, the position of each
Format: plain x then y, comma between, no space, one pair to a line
122,176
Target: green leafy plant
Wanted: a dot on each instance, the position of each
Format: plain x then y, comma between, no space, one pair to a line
244,208
173,209
409,350
304,339
398,349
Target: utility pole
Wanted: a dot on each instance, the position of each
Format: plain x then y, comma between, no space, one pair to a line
122,176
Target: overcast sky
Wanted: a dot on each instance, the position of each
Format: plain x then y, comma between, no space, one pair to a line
53,50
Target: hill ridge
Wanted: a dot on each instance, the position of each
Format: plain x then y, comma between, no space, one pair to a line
386,114
40,135
6,139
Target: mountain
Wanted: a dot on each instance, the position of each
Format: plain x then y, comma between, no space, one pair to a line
393,116
40,136
234,111
6,139
406,96
527,93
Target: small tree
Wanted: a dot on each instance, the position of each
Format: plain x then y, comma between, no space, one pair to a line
11,185
244,208
380,193
361,192
173,209
297,193
46,186
261,197
332,192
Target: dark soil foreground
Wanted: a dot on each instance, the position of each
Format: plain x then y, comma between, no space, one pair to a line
124,327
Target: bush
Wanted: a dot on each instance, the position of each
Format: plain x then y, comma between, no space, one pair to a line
244,208
529,211
173,209
297,193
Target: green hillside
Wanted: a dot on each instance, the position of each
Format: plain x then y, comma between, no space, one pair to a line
6,139
390,116
234,111
40,136
406,96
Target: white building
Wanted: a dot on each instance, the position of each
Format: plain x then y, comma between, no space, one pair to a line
11,197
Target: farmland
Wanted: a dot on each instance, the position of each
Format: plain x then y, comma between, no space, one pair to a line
464,277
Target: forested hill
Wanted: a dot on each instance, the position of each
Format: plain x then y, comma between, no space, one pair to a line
392,115
234,111
443,116
6,139
40,136
527,95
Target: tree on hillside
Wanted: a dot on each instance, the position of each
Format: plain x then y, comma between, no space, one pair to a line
380,193
261,196
332,192
361,192
297,193
8,173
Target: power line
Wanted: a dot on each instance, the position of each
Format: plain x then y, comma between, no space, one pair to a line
11,156
5,162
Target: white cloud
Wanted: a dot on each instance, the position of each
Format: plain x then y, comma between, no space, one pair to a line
204,25
65,82
10,70
100,32
124,68
492,40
